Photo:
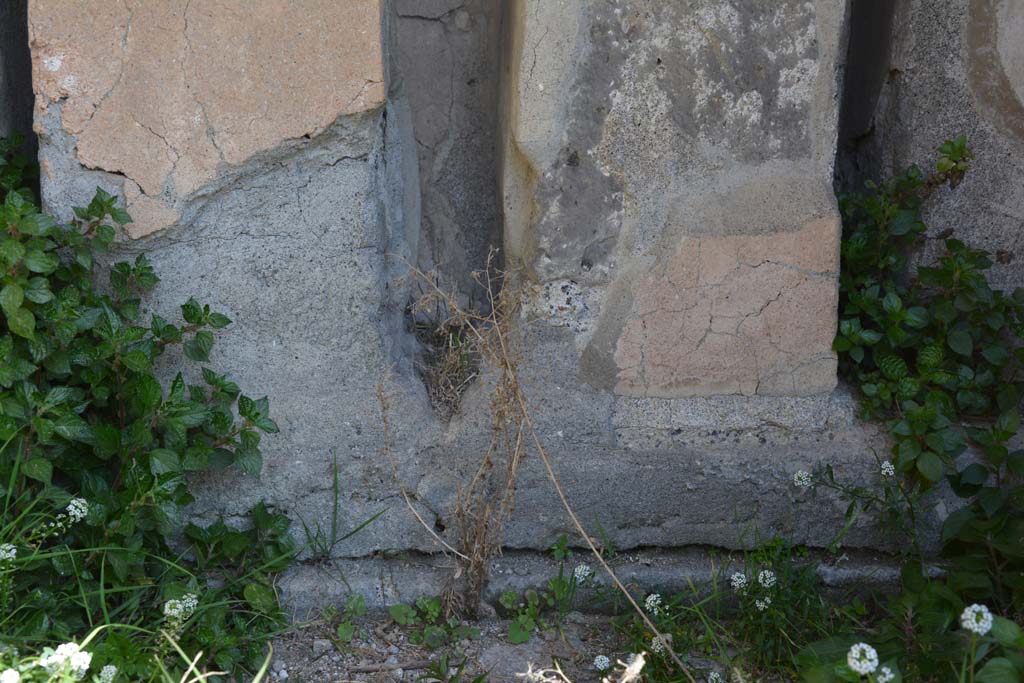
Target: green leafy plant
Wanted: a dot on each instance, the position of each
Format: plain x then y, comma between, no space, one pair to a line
442,670
355,607
936,354
559,596
755,615
427,625
96,453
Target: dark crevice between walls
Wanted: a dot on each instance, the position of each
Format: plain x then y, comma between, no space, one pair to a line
444,62
16,99
867,70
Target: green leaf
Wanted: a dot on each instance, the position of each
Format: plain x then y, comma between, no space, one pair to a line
1015,463
903,223
892,303
249,460
120,216
266,425
148,392
917,317
930,356
11,298
960,342
168,517
41,262
998,670
930,466
136,361
73,428
519,630
38,290
996,355
22,323
246,407
198,348
39,469
1006,632
163,460
11,251
260,598
219,320
346,631
893,367
192,312
1008,421
404,615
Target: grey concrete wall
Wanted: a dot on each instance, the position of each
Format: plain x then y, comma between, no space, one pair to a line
646,162
954,67
445,57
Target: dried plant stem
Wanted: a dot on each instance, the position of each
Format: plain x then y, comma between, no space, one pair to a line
481,516
521,400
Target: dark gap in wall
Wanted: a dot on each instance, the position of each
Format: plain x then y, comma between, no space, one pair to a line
446,54
866,71
16,98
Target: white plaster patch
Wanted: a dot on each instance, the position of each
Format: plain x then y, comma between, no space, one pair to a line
795,84
563,303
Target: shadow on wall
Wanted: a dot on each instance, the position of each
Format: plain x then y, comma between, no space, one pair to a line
445,59
866,71
16,73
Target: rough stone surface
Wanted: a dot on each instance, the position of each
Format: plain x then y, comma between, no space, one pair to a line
445,59
166,92
403,579
664,173
955,67
648,139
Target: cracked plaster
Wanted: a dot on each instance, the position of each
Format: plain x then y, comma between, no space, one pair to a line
171,93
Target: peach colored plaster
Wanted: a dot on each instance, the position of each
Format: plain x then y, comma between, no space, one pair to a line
168,92
747,314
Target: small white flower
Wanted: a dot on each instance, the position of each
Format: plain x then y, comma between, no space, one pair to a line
173,608
887,469
862,658
181,609
976,619
80,663
582,572
8,552
108,673
601,663
762,604
739,582
77,509
885,675
67,656
10,676
658,643
653,603
766,578
802,479
715,677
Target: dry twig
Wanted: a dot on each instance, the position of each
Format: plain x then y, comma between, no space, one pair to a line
487,502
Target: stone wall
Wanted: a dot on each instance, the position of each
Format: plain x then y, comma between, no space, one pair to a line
949,67
658,173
